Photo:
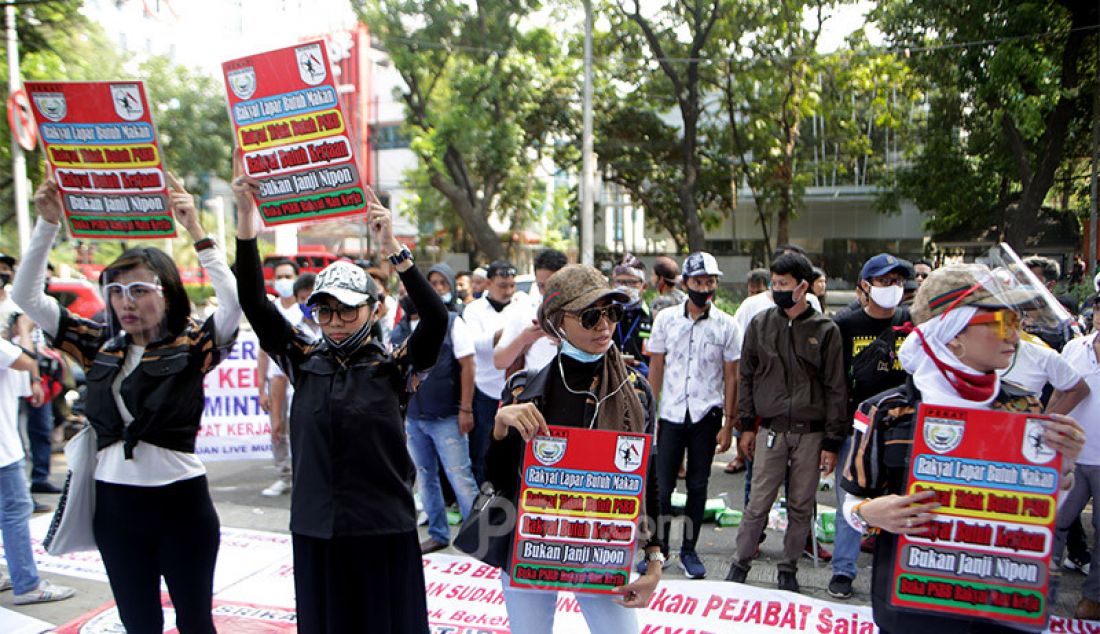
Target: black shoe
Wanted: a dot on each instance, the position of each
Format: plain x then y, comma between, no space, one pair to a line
44,487
788,581
840,587
737,574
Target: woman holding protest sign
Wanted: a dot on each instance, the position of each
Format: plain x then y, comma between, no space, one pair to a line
145,368
587,385
967,329
357,564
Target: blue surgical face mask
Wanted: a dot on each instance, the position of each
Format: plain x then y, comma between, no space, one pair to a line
446,297
573,352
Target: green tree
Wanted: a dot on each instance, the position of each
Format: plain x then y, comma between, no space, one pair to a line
1009,89
484,95
192,122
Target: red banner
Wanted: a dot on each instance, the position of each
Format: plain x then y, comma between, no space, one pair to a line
579,505
293,134
987,553
101,144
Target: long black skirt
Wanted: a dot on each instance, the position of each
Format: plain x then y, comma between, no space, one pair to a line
360,584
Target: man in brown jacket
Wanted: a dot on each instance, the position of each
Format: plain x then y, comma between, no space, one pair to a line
792,412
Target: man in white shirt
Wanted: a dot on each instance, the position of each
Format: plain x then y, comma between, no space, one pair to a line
274,388
522,336
15,497
487,319
694,351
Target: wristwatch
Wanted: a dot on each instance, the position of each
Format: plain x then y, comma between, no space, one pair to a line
864,525
401,256
657,556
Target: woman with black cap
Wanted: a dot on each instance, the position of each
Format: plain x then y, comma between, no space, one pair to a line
586,385
357,565
967,329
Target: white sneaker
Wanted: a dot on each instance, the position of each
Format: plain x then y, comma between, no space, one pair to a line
44,593
275,490
5,582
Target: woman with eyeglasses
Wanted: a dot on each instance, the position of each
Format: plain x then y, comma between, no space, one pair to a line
357,564
586,385
967,329
145,368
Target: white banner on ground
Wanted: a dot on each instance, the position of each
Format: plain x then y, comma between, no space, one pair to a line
464,596
242,553
16,623
233,425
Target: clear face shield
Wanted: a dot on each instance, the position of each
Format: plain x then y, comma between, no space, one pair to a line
1043,313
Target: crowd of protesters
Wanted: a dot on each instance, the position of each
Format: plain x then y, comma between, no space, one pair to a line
379,385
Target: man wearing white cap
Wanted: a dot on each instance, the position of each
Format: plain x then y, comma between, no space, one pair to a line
695,347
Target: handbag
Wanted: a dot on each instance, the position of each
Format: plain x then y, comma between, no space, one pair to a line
486,533
71,527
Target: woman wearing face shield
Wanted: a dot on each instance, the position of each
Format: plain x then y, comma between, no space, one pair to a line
586,385
967,329
145,368
357,565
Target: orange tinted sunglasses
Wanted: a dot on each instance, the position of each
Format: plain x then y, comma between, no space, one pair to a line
1006,320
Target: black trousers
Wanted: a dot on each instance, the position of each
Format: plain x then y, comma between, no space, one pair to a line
360,584
144,533
699,440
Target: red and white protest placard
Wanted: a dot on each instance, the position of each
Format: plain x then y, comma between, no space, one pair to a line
579,502
293,134
101,144
987,553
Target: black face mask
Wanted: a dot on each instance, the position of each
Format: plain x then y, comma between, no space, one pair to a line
784,299
497,306
5,278
462,295
699,298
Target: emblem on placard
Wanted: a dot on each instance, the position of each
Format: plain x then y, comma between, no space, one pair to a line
1035,448
311,64
127,100
628,453
51,105
242,82
548,450
943,435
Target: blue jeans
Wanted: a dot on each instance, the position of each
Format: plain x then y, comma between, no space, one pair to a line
485,413
846,544
441,437
15,512
532,611
39,428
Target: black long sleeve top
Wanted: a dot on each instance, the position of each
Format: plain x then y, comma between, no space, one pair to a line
352,471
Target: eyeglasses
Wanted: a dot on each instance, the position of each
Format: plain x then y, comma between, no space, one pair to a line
1006,320
590,317
920,276
346,313
134,291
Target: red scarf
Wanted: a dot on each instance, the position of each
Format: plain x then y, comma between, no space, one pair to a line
971,386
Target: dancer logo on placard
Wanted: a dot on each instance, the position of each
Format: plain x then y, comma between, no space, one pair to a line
311,66
127,101
628,453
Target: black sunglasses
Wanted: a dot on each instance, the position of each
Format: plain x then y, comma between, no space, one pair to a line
346,313
590,317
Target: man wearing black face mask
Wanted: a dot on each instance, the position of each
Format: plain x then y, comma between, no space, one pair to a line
693,368
792,385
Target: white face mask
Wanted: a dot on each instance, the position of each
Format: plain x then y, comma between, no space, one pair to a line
284,287
887,297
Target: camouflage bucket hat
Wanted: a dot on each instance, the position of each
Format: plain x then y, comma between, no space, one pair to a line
574,288
971,284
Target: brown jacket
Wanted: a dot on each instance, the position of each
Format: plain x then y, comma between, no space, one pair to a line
792,375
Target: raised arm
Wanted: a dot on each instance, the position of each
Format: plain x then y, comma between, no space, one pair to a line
228,315
28,291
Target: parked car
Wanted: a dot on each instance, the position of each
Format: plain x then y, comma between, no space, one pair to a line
80,296
308,259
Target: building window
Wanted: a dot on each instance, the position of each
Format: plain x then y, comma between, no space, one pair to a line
388,136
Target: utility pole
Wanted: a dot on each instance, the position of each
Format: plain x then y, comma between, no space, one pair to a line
18,161
1091,252
588,167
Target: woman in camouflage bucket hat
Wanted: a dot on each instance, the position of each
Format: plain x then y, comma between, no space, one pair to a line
967,329
586,385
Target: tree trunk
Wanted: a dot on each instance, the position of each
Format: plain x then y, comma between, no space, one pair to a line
472,208
695,237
